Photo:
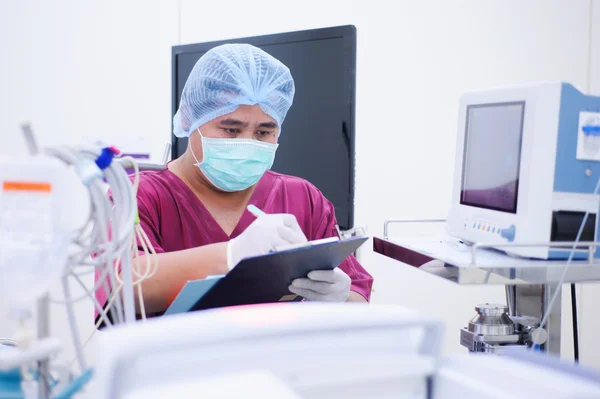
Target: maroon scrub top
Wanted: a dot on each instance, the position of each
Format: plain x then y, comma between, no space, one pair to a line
175,219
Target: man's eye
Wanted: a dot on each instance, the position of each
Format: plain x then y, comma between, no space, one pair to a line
231,130
263,132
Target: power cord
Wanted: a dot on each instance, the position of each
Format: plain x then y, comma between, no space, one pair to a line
575,327
562,280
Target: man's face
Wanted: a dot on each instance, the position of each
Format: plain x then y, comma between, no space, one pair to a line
247,122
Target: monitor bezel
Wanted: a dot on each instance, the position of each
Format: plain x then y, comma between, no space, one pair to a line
537,172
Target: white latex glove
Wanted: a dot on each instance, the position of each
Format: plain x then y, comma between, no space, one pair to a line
323,285
264,234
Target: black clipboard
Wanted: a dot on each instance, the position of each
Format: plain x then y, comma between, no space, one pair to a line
265,279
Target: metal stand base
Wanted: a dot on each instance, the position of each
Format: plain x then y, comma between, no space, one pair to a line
530,284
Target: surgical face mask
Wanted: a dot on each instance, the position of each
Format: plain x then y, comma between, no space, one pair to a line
235,164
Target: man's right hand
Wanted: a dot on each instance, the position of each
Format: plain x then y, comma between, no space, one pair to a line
265,234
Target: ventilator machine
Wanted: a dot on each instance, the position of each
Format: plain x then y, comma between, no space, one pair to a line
524,212
527,169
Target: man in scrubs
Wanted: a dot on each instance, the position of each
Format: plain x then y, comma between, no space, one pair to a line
194,213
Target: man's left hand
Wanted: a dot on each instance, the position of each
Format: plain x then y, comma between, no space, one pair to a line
323,285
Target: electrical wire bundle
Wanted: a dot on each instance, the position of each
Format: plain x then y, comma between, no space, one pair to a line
110,244
111,241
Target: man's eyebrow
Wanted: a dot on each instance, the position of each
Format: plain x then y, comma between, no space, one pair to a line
233,122
267,125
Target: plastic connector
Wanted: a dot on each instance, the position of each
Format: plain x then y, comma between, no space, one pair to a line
106,157
88,171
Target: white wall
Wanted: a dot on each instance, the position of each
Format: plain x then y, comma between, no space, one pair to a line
102,68
86,69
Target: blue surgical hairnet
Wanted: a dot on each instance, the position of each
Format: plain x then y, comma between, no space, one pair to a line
228,76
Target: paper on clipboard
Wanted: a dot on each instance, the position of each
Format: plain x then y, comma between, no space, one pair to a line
306,244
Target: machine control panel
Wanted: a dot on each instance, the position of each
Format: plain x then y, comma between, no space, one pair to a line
490,228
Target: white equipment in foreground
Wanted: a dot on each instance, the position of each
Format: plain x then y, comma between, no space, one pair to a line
315,351
41,246
35,227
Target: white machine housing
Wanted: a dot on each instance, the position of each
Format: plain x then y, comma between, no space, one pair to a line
317,350
555,181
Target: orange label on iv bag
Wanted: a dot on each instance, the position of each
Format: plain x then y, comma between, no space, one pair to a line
24,186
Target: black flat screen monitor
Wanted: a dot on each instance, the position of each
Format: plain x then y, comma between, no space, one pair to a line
317,140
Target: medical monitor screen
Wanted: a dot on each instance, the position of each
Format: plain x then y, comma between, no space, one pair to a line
492,156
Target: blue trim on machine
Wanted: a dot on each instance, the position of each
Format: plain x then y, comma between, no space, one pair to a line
591,130
566,254
569,175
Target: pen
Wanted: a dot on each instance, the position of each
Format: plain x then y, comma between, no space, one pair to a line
255,211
